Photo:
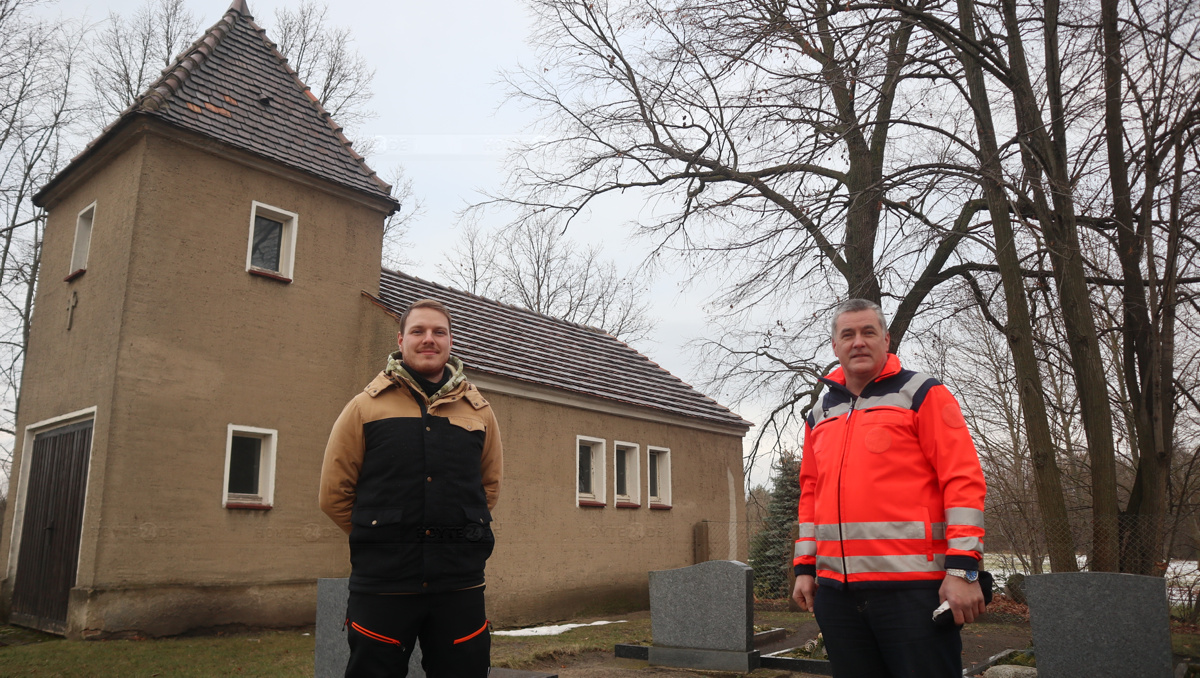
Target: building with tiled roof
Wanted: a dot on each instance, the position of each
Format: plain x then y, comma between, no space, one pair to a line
210,297
568,357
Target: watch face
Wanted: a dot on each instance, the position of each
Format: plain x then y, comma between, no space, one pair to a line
972,576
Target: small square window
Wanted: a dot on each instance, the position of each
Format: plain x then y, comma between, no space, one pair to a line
589,475
272,248
626,478
658,463
249,467
83,241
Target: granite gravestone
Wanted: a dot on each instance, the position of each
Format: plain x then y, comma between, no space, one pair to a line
1100,625
332,652
702,617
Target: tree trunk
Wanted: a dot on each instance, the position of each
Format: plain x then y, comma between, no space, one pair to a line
1142,522
1019,330
1045,153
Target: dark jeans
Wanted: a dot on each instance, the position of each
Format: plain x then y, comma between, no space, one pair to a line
887,633
452,627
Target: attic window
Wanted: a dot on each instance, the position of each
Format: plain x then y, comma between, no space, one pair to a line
264,98
271,250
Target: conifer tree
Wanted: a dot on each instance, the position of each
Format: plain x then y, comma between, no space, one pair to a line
772,548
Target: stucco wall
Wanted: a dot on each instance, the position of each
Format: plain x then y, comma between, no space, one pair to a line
206,344
176,340
554,559
70,370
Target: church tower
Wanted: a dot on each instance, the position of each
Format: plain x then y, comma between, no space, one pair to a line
200,321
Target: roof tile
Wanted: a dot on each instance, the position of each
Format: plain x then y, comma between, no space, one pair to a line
234,59
553,352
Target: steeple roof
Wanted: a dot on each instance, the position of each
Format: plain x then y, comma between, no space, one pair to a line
234,86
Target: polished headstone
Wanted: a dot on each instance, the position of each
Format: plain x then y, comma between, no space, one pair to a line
1100,625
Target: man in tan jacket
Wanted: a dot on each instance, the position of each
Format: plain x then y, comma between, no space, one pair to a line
411,473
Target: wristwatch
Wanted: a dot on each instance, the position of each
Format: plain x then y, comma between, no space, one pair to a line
971,576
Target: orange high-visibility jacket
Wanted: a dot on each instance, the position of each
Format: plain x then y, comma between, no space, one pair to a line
891,492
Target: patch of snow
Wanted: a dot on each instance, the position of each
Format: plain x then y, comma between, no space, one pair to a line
550,630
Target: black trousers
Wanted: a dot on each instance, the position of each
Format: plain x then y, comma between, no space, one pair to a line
452,628
887,633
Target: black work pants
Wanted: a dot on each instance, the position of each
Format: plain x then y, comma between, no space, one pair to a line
451,626
886,633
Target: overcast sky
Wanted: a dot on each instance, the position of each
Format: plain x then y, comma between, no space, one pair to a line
440,115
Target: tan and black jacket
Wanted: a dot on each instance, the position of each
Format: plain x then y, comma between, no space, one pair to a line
412,482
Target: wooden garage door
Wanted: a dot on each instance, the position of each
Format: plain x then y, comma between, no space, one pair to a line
49,556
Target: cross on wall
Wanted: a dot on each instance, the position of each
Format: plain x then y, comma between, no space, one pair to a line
72,302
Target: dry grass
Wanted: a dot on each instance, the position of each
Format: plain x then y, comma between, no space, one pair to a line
268,654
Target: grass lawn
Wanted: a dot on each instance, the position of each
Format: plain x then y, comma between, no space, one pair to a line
287,653
290,653
1186,645
523,651
266,653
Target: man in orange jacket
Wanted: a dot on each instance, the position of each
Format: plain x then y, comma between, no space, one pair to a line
891,511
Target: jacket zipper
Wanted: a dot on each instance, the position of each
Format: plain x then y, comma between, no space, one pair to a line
841,469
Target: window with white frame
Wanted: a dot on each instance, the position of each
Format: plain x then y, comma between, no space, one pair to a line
272,247
626,483
589,474
249,467
658,474
83,241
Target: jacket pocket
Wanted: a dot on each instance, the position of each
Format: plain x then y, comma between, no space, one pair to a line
377,517
467,423
379,637
478,515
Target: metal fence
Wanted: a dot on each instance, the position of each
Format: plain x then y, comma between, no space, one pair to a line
745,541
722,540
1016,544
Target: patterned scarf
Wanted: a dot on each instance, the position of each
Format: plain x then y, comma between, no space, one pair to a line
396,372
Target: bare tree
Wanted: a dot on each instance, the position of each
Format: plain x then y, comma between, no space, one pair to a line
1061,117
38,107
794,152
809,150
472,264
534,266
129,53
323,56
398,223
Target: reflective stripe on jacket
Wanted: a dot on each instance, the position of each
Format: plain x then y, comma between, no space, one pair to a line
891,491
